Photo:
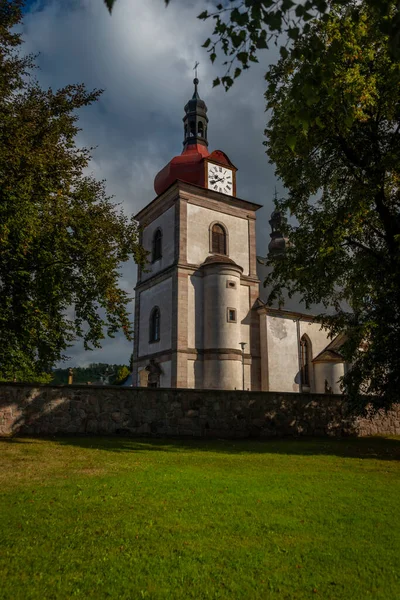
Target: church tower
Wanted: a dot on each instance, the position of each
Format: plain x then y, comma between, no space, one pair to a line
194,323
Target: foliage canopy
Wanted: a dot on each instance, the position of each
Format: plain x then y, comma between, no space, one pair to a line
61,238
334,136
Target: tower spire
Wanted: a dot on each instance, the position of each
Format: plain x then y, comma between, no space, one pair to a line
195,120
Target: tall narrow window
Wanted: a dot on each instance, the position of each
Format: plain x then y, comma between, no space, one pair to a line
218,240
304,359
157,245
154,325
200,129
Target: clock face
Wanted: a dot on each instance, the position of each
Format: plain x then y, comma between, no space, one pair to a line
220,179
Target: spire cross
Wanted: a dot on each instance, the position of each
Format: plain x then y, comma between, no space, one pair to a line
195,68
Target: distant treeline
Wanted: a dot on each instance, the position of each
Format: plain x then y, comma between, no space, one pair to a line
94,373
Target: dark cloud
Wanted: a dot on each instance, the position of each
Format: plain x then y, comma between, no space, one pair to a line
143,57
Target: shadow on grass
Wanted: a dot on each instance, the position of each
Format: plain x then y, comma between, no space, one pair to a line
378,448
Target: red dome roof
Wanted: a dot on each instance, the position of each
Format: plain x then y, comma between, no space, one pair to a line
188,166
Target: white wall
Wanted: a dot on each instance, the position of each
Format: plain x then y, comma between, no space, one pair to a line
245,316
283,356
198,235
195,312
195,373
166,222
165,378
280,354
223,374
319,340
319,337
159,295
331,372
218,297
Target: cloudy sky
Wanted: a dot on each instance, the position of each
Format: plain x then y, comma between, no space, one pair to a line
143,57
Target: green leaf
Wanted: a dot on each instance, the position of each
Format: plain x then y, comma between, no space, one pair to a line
216,82
283,52
204,15
291,141
206,43
110,4
237,72
242,57
261,43
299,10
293,33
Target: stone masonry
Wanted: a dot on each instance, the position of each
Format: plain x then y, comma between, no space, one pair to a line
47,410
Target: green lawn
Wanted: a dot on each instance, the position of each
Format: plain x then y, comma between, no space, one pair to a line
90,517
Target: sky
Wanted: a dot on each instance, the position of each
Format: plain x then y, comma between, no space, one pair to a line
142,56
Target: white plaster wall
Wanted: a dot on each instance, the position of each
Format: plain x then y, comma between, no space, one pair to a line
159,295
218,297
195,374
264,353
331,372
280,359
319,337
166,222
245,316
198,236
165,378
223,374
282,351
247,377
195,312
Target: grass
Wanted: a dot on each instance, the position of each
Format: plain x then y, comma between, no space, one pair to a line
119,518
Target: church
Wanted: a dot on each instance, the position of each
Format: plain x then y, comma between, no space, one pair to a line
201,318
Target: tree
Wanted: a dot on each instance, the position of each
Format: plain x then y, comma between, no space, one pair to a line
334,136
244,27
61,238
122,374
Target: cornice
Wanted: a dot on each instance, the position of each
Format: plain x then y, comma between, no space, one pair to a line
190,192
290,314
202,192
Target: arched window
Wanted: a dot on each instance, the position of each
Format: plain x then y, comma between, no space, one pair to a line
200,129
157,245
304,360
154,325
218,241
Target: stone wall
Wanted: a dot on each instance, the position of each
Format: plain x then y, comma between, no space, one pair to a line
44,410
